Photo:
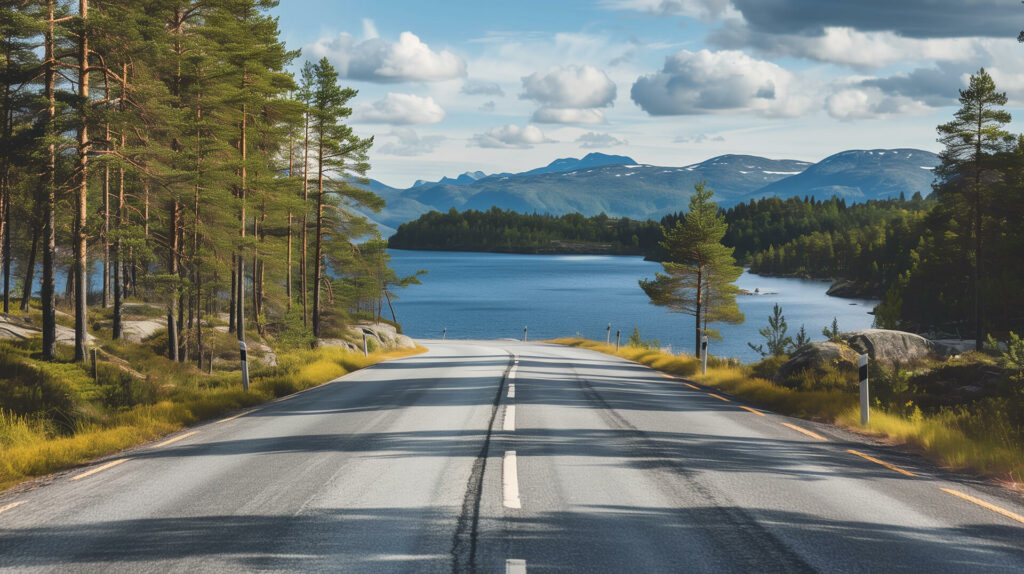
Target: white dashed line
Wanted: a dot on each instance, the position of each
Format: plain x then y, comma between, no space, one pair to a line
510,481
510,418
515,566
7,507
110,464
511,390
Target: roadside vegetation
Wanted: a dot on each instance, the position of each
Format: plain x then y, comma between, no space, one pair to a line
57,415
965,413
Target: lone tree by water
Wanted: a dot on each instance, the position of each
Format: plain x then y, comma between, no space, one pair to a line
699,270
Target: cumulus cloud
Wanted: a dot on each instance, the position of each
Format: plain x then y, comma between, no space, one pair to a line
594,140
699,138
845,45
510,136
570,87
932,86
406,142
487,107
709,82
401,109
481,88
376,60
870,103
569,94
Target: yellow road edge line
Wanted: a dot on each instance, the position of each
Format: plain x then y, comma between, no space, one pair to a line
10,506
983,504
238,416
813,435
881,462
758,413
666,375
719,398
110,464
694,387
176,439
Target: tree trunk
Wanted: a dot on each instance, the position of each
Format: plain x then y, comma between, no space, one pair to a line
120,276
50,245
303,270
240,303
172,303
106,229
318,258
30,270
81,213
699,307
5,240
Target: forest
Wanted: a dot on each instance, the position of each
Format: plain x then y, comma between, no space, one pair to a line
505,231
163,152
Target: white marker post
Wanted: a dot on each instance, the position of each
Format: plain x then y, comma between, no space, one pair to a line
444,333
366,352
864,414
524,334
704,355
618,337
608,335
245,365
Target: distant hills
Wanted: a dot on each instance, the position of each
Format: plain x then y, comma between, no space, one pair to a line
620,187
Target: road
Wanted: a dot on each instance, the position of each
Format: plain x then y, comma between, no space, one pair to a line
497,456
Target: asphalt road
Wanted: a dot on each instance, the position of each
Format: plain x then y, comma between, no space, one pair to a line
500,456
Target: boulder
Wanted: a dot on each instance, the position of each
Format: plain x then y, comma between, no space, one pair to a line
891,347
384,335
818,356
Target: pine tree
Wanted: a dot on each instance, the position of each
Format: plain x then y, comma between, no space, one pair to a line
699,270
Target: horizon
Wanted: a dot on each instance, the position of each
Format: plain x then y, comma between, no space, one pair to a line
447,89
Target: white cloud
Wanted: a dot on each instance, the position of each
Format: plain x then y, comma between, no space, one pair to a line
510,136
568,116
711,82
594,140
488,106
401,109
376,60
481,88
699,138
570,87
369,29
406,142
702,9
871,103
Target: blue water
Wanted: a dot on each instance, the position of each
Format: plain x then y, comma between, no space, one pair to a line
489,296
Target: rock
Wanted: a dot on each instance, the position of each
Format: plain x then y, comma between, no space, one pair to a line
263,353
891,347
383,335
15,328
818,356
339,343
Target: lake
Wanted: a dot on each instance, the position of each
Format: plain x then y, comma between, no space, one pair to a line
493,295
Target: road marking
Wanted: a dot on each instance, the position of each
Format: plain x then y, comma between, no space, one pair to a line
881,462
176,439
667,376
813,435
7,507
512,374
239,415
510,481
719,398
511,390
515,566
510,418
110,464
983,504
694,387
515,359
758,413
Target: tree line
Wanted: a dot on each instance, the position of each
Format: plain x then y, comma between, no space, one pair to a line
166,142
504,231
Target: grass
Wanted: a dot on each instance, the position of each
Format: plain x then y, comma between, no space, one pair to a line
99,419
977,440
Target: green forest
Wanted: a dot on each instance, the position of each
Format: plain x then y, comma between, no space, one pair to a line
164,152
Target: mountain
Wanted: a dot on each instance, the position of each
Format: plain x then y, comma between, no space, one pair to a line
463,179
572,164
860,175
619,187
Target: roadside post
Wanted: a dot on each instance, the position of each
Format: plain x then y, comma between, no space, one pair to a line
95,372
524,334
618,337
864,414
245,365
704,355
366,352
444,333
608,335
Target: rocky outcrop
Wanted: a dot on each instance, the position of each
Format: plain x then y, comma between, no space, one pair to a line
22,328
818,356
891,347
378,335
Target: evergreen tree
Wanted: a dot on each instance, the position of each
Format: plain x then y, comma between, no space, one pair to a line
698,269
778,342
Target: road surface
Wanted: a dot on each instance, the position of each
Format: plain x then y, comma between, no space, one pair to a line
498,456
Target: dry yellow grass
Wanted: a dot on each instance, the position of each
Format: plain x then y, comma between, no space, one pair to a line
29,449
937,437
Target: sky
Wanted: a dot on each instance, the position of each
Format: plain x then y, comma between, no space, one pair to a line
452,86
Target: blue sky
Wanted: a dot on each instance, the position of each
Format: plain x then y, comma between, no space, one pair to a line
454,86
